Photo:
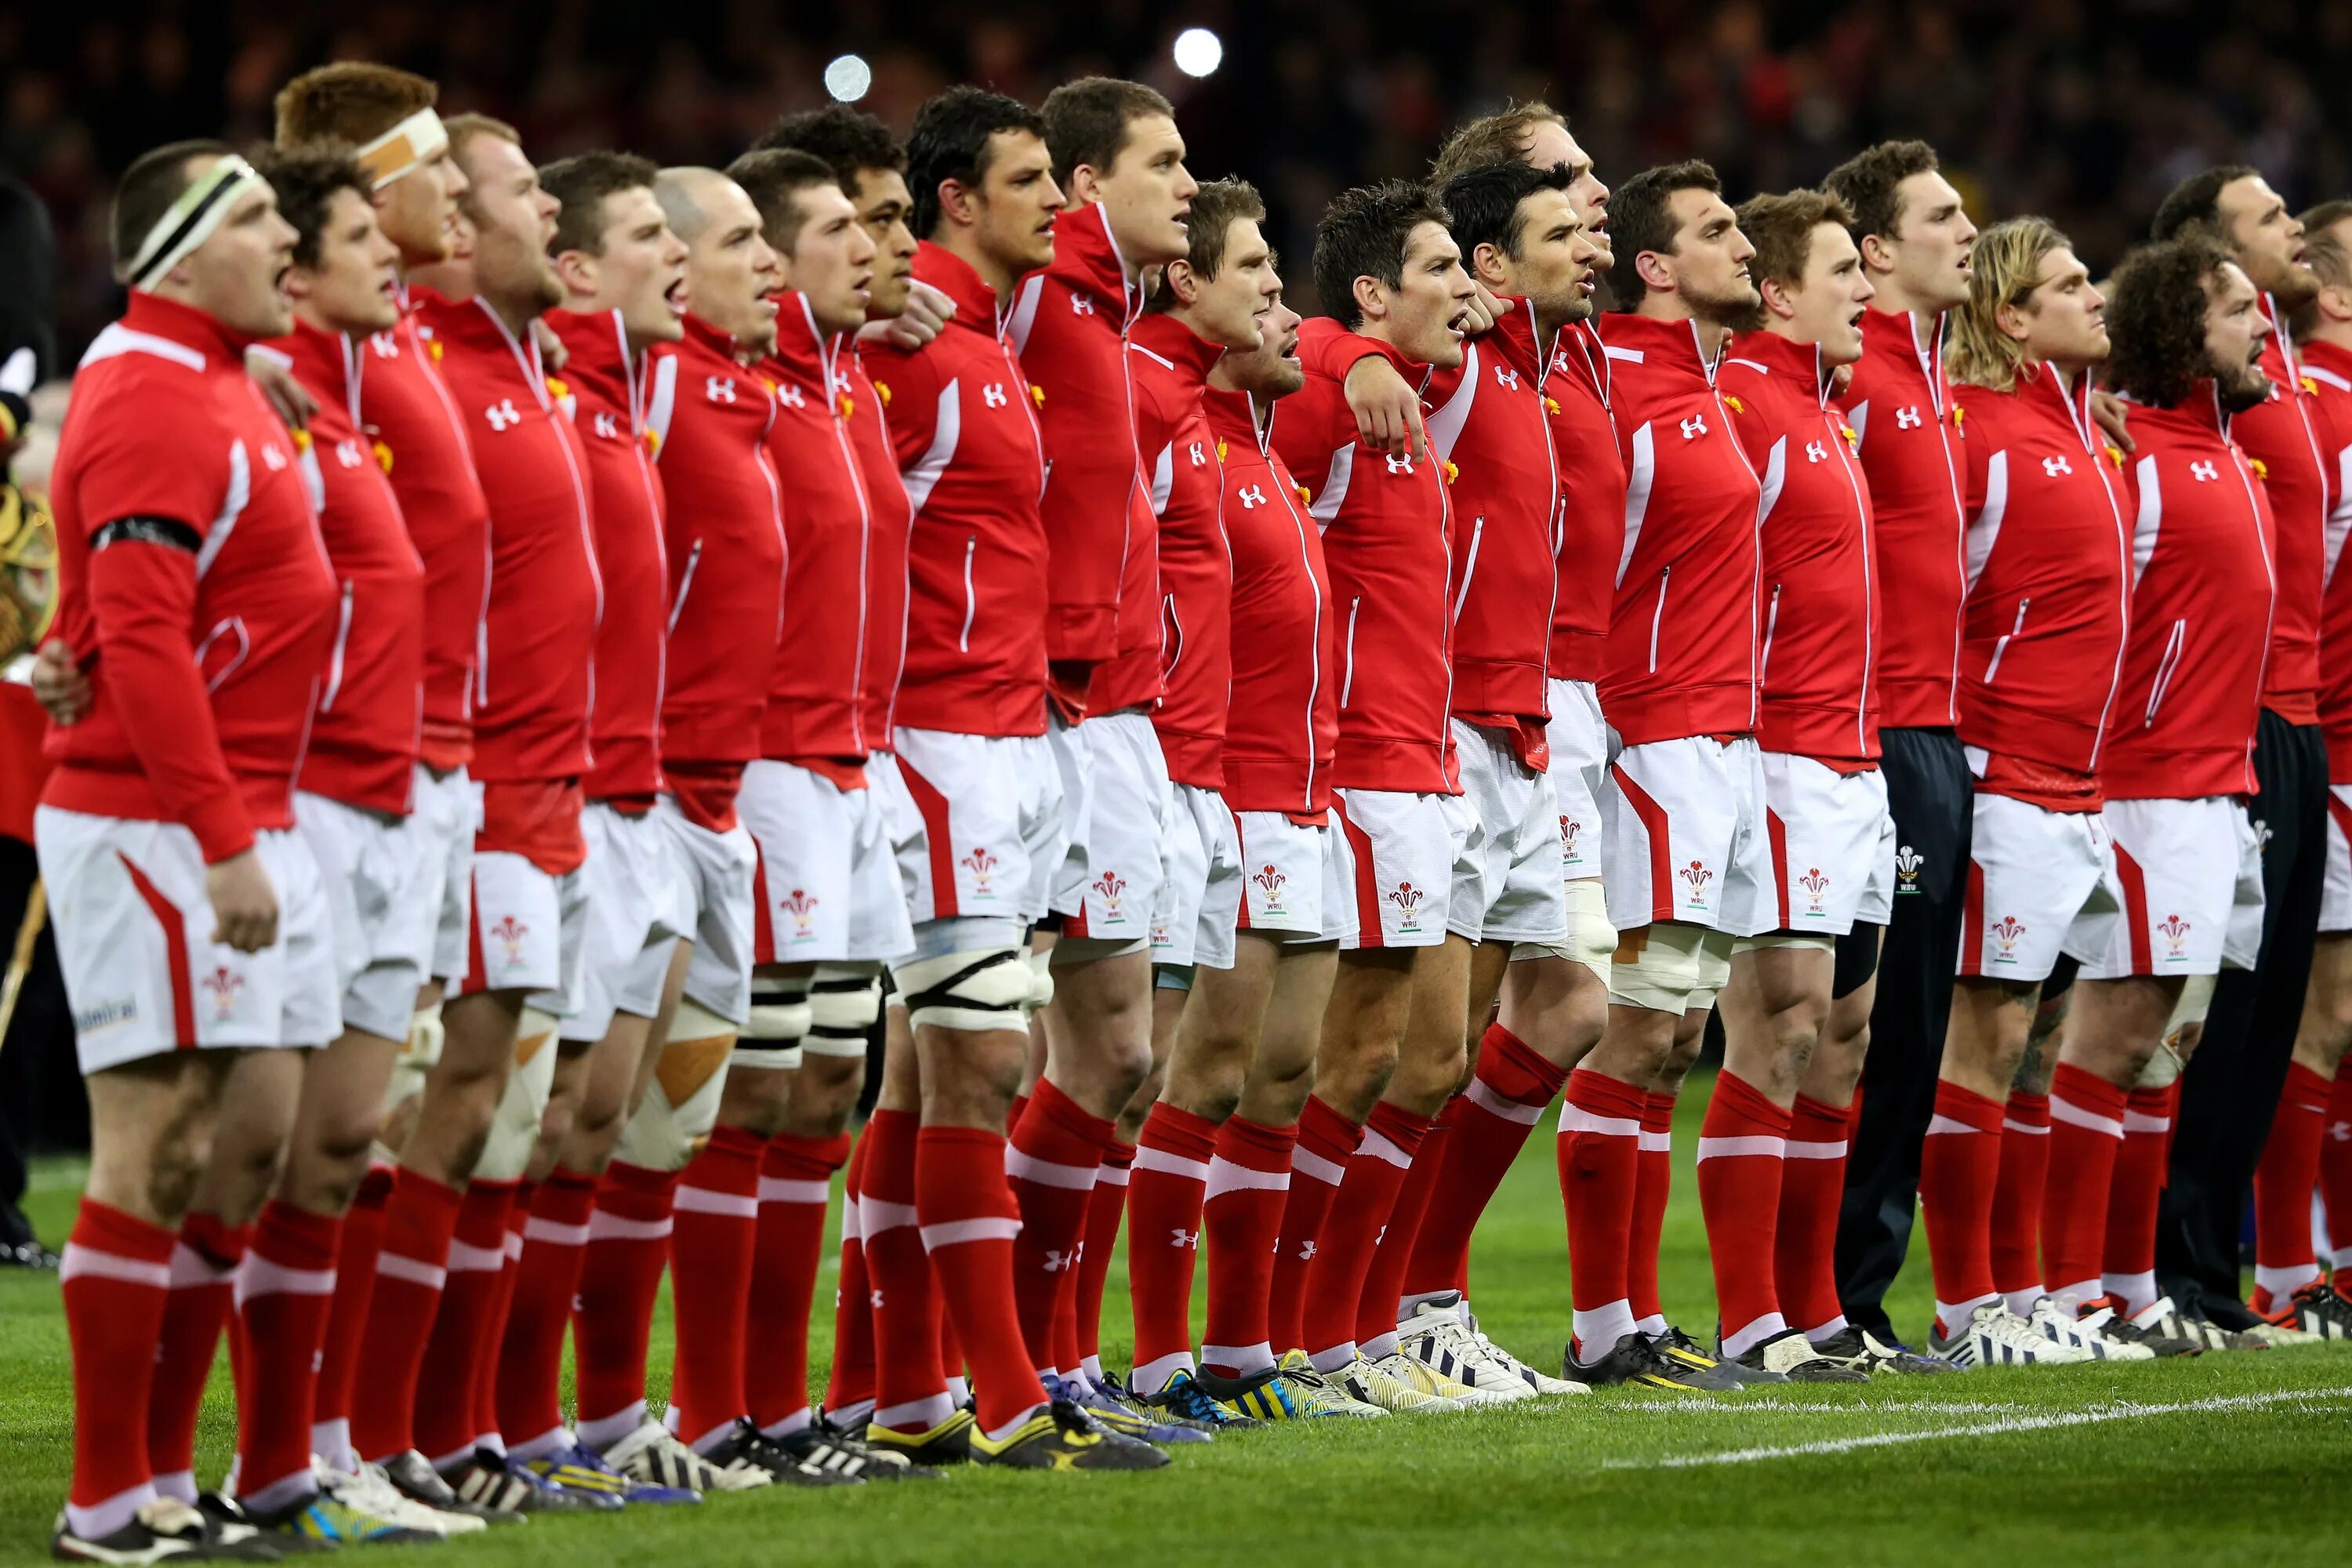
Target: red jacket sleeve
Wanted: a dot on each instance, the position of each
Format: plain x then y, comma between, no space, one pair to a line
909,388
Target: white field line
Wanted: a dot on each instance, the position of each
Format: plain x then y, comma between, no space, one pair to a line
2094,1416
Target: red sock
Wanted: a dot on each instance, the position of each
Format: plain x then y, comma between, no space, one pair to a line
712,1232
2335,1177
620,1278
1654,1184
490,1345
339,1357
116,1276
910,1389
2127,1256
1249,1184
1325,1142
2086,1134
2283,1185
204,1266
449,1402
528,1379
851,1381
1959,1165
1367,1196
2015,1238
1495,1114
1380,1305
1600,1160
795,1189
411,1270
1169,1186
284,1293
951,1348
1054,1153
1081,1332
1742,1146
968,1220
1804,1234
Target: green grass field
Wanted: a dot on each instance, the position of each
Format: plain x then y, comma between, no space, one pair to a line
2226,1459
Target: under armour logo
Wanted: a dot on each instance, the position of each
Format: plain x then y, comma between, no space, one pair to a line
386,345
272,457
608,427
1694,427
1383,1235
1252,497
1507,377
2053,467
1306,1252
1055,1262
840,380
1181,1238
1908,418
501,415
992,395
718,388
349,455
793,396
1401,465
878,1300
1200,458
2203,471
1816,453
1081,306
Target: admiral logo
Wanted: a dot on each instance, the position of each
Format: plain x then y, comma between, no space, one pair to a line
983,866
1816,453
1270,882
501,415
993,394
1907,862
106,1015
224,983
718,388
1251,496
1694,427
1401,465
510,932
2006,930
802,906
2175,931
1908,418
1408,900
2052,468
2204,472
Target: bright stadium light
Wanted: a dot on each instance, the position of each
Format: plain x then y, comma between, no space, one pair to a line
848,77
1199,51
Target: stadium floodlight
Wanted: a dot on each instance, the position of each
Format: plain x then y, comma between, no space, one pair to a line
1199,51
848,78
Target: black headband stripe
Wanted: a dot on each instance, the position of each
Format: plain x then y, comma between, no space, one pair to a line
187,225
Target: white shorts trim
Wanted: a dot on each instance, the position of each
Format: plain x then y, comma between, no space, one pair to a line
984,832
1833,844
710,894
1515,891
2039,883
1121,810
1200,900
828,871
2190,877
1296,877
384,888
443,809
1405,852
1683,836
1578,738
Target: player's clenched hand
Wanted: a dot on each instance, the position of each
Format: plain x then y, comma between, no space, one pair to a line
285,394
58,684
928,310
551,352
245,905
1387,409
2109,410
1484,310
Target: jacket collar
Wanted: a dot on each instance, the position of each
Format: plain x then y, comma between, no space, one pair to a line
2319,356
1648,341
598,364
1515,340
329,362
473,325
1782,356
1177,346
1891,336
1087,258
702,338
2044,386
186,326
1235,416
803,348
975,302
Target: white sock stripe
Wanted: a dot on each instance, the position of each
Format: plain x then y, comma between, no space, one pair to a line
929,1412
1657,1142
1494,1104
1327,1171
1225,1177
260,1276
2073,1115
513,1249
192,1268
603,1227
466,1259
1376,1147
1794,1148
1241,1358
777,1190
990,1228
2140,1121
1575,1118
1111,1176
1021,1167
849,1231
1942,1123
702,1200
2011,1124
86,1262
875,1216
552,1234
1750,1146
1150,1159
409,1269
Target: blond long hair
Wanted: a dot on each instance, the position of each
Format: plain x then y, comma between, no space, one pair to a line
2004,267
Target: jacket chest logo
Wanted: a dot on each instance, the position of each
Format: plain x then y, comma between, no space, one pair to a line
273,457
348,454
1397,465
384,345
1081,306
1506,378
1909,418
791,396
1200,458
1694,427
2052,468
1251,496
608,428
718,388
2204,472
993,394
501,415
1816,453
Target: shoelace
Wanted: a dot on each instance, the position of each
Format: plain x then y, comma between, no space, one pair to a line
1189,1400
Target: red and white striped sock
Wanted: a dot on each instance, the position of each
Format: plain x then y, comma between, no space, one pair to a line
447,1415
795,1188
1959,1165
849,1386
1367,1196
488,1434
1742,1146
356,1246
2127,1259
620,1280
204,1266
715,1220
1489,1124
2086,1134
2283,1181
1169,1184
1804,1236
1051,1162
1327,1140
1077,1325
1249,1186
115,1278
2015,1238
969,1221
420,1217
1654,1184
2335,1177
1380,1310
909,1386
1598,1155
285,1291
529,1375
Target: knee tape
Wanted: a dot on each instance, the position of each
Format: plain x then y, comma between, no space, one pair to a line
2164,1068
1041,978
973,992
1172,976
416,1058
844,1000
514,1130
1591,939
781,1017
1662,966
673,1121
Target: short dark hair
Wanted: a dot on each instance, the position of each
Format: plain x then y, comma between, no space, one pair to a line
1220,204
306,179
2326,257
146,191
1087,122
1363,233
1483,202
951,141
2156,318
2195,203
1781,229
1491,139
582,183
848,139
1869,182
774,178
350,100
1642,217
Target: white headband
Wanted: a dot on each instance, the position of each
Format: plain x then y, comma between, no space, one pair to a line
192,218
404,148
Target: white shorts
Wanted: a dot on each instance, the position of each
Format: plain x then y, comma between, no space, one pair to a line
711,878
528,929
1200,901
1295,888
2190,873
988,830
134,925
1832,843
2335,899
1580,772
634,919
1514,892
383,884
2039,883
444,811
1406,853
827,888
1121,811
1682,836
